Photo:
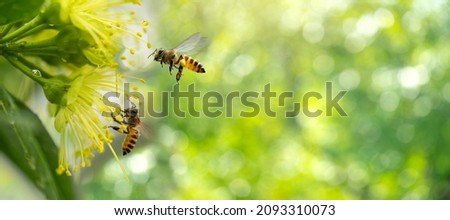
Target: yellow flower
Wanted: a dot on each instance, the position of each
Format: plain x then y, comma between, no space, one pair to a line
83,131
104,26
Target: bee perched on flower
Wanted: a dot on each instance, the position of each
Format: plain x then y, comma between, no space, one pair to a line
78,118
69,48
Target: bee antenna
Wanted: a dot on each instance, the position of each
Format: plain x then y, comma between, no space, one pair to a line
152,53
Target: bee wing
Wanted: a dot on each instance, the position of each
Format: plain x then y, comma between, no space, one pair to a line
192,44
146,132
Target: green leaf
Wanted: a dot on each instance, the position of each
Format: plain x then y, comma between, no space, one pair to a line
25,141
14,10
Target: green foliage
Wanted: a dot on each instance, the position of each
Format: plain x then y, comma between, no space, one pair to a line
25,141
15,10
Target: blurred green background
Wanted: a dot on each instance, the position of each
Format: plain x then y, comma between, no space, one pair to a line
391,56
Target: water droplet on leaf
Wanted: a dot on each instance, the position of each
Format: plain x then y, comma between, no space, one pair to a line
36,72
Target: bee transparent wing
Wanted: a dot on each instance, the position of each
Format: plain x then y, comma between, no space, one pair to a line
192,44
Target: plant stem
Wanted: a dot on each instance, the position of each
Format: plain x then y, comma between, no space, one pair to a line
32,66
22,30
6,29
40,53
35,29
40,44
25,46
26,70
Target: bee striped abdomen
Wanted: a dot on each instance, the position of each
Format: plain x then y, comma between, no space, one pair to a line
191,64
130,141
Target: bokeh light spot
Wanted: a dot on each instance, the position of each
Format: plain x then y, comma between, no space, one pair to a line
240,187
313,32
389,101
422,106
349,79
323,64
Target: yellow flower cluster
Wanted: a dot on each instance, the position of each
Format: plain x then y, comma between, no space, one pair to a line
104,26
84,37
83,131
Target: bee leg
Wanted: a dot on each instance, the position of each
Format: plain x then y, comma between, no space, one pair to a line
180,70
118,129
170,67
180,58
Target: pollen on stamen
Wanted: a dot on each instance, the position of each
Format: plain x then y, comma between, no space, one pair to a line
145,23
106,110
88,153
135,96
60,169
135,88
149,45
139,34
132,51
108,136
123,58
101,148
96,120
118,118
105,137
91,134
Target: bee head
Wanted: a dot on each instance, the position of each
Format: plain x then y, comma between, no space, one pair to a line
131,112
159,54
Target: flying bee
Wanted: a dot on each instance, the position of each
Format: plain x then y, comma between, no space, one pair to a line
130,118
191,44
